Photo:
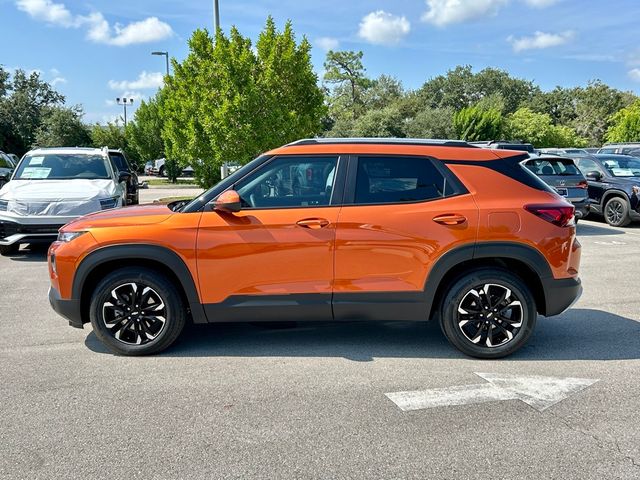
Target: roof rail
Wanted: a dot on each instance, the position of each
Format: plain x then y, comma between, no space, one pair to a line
383,140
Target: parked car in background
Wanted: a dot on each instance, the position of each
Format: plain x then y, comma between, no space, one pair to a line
565,152
564,177
148,167
157,168
122,164
53,186
621,148
591,150
14,157
340,229
6,168
610,179
506,145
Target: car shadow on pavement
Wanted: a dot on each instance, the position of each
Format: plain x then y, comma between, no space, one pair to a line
589,230
579,334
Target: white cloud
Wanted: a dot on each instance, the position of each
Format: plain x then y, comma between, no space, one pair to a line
327,43
148,30
98,28
383,28
445,12
634,74
58,80
540,40
540,3
47,11
146,80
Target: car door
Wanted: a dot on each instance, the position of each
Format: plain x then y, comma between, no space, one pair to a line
278,250
400,214
596,188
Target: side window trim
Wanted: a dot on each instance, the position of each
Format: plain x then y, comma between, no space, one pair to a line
337,193
451,181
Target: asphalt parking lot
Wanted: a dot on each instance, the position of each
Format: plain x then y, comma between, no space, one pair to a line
308,401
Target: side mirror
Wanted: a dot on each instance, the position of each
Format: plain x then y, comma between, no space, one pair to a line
228,202
594,175
124,177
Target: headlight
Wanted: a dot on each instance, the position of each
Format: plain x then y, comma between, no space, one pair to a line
108,203
68,236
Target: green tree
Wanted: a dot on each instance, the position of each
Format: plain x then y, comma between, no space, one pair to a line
112,135
384,122
24,103
461,88
227,102
625,124
63,127
144,133
595,107
478,123
431,123
539,130
345,73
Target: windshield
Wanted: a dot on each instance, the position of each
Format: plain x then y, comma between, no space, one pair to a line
55,166
622,167
552,166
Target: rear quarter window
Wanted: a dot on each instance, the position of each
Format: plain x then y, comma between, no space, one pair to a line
552,166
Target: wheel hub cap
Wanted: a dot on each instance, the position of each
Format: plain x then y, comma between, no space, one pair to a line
503,318
134,313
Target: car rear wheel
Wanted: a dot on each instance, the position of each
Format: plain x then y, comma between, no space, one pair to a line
9,249
137,311
616,212
488,313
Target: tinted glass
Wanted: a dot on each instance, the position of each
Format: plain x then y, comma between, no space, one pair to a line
5,162
397,180
607,150
585,166
63,167
552,166
119,161
290,182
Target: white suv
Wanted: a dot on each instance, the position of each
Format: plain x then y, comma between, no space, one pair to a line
52,186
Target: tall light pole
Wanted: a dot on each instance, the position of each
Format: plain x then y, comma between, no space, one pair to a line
124,102
166,55
216,16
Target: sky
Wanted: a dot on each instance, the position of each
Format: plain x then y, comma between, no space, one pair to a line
96,51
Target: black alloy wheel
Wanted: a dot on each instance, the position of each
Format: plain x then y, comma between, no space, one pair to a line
616,212
137,311
488,313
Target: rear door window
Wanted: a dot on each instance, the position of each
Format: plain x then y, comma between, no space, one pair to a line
398,180
552,166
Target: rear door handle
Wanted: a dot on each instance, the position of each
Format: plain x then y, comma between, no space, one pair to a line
450,219
313,223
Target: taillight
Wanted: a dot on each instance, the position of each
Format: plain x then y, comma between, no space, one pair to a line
560,215
583,184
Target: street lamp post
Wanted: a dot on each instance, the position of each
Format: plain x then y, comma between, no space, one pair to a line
216,16
166,57
124,102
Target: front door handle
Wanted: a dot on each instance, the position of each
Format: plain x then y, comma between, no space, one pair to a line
313,223
450,219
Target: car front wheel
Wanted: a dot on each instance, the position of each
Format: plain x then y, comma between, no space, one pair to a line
137,311
488,313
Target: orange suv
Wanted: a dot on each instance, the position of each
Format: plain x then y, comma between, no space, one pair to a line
321,229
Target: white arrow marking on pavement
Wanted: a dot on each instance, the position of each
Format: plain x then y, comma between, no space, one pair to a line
536,391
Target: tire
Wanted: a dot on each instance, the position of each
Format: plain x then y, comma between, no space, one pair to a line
616,212
9,249
138,335
472,337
